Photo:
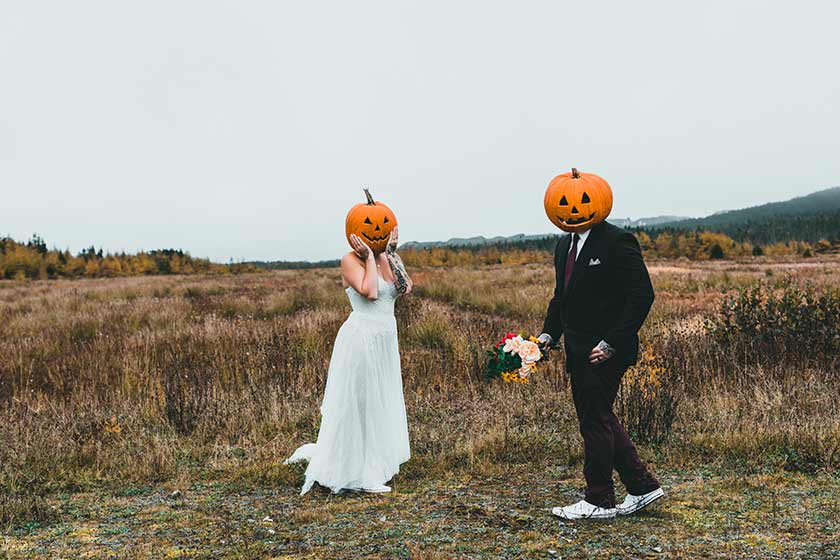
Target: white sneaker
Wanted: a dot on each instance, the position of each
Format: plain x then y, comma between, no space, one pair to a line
377,489
632,504
584,510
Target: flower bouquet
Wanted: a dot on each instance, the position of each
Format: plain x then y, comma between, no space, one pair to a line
513,359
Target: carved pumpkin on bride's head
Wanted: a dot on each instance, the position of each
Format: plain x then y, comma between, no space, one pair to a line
372,222
576,201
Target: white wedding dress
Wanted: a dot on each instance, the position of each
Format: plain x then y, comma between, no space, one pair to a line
363,438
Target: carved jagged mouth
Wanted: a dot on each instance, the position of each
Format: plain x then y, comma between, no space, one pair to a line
375,238
576,221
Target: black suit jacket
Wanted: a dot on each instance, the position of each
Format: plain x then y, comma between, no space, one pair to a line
609,295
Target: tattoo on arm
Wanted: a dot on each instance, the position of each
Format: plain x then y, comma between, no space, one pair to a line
398,268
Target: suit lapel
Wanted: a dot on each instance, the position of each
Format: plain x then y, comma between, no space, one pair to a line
583,258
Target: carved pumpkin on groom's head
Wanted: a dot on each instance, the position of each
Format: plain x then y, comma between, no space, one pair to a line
372,222
577,201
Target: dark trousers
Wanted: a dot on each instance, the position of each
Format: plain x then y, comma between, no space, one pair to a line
606,445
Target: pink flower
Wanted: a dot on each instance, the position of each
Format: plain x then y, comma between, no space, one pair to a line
529,352
512,345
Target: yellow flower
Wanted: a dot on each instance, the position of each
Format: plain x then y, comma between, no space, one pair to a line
112,426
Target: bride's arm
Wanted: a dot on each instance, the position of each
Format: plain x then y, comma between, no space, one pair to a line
361,277
402,281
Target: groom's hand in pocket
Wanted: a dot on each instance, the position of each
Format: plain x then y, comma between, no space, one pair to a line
601,353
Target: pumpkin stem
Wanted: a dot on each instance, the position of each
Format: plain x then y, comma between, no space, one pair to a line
369,197
575,174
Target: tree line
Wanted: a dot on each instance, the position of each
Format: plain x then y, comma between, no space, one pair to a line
294,265
34,260
665,244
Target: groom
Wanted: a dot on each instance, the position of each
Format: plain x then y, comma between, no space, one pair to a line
602,297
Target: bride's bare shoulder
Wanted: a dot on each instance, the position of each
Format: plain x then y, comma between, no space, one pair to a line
351,267
351,260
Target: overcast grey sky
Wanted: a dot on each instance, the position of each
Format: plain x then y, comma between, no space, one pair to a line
247,129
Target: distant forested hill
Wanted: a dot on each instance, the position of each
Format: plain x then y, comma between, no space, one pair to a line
802,226
293,265
807,218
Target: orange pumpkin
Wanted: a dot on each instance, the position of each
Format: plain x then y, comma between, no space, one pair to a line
577,201
372,221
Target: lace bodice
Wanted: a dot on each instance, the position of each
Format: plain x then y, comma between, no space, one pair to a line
384,305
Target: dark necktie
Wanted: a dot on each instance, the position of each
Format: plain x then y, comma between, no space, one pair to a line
570,261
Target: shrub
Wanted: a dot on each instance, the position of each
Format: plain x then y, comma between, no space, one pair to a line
647,402
23,512
185,372
789,322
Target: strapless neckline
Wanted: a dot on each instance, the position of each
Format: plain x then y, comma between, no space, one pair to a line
381,281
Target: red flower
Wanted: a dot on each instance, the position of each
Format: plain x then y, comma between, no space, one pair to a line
506,338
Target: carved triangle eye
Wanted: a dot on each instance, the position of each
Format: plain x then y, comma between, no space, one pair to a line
367,221
385,221
563,201
585,199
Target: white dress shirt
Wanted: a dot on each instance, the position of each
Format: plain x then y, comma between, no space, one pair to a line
582,235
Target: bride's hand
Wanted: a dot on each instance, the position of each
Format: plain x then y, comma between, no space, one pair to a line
360,248
393,241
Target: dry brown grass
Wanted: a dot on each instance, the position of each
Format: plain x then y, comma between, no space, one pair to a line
173,381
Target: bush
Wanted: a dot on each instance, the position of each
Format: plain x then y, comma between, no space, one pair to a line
647,402
22,512
186,380
788,322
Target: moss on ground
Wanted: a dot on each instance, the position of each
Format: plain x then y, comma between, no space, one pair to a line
778,515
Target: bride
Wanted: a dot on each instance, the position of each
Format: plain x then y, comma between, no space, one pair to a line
363,438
